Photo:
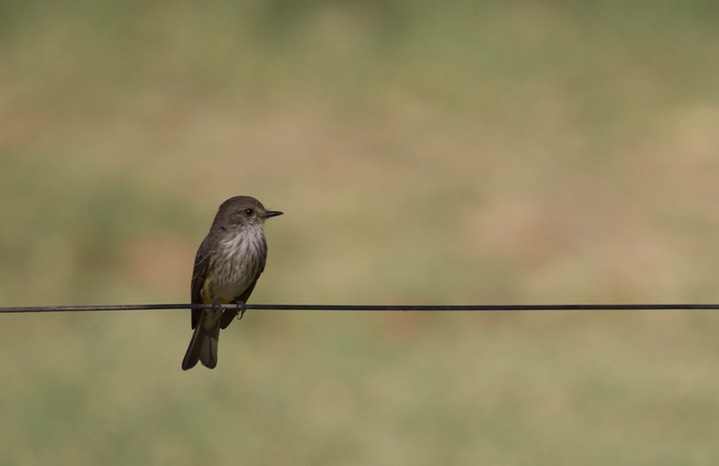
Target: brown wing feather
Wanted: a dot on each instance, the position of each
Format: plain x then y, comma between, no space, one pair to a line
199,274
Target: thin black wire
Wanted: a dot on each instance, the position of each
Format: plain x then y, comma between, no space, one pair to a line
370,307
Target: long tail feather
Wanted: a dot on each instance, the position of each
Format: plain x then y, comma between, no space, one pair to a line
203,347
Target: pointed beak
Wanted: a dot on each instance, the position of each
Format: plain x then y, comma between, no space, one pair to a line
272,213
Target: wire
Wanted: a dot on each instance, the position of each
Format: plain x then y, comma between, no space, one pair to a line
370,307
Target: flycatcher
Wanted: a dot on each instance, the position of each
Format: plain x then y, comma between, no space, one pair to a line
227,265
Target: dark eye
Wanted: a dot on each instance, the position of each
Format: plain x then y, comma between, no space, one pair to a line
249,212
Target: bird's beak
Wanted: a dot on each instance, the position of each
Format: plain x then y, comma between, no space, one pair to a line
272,213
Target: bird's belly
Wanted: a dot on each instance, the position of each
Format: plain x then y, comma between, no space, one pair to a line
230,280
241,261
224,293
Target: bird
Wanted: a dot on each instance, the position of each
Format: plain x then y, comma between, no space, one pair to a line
227,265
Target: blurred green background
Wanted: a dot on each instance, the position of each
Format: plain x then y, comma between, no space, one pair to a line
424,152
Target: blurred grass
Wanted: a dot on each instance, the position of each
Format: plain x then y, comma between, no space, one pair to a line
453,152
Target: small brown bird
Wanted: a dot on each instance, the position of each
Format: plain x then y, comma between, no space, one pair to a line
227,265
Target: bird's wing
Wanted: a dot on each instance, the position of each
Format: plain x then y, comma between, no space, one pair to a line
199,274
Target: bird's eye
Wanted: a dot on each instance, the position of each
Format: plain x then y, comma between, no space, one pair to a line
249,212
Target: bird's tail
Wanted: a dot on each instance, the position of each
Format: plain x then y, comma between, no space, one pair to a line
203,347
